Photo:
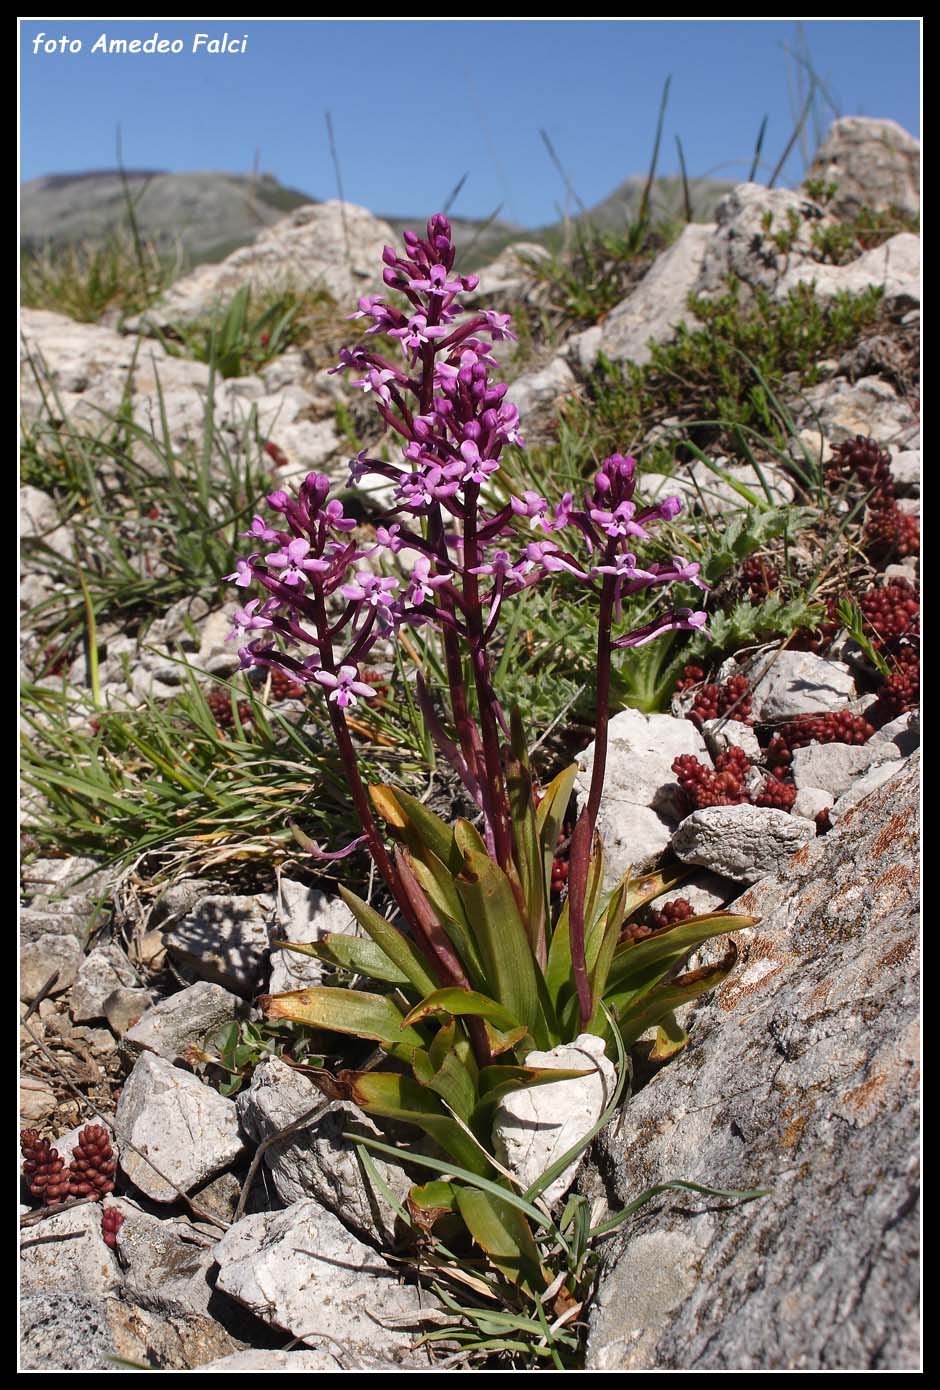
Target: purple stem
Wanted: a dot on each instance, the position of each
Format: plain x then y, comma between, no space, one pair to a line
581,841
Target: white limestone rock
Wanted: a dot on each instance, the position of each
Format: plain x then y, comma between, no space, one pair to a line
581,349
74,885
167,1264
38,1101
226,941
189,1130
535,1125
895,266
905,472
42,955
869,406
903,733
78,1259
536,394
742,245
701,489
642,800
508,280
320,1359
870,781
703,892
187,1018
317,1161
722,734
40,524
834,767
658,305
741,842
302,1271
810,801
331,245
802,683
874,163
303,915
103,970
124,1008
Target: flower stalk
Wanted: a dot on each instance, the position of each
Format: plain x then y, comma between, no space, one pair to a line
325,600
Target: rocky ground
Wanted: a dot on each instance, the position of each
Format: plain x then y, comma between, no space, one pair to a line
788,780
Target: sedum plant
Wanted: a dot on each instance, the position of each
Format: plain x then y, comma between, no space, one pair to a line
478,971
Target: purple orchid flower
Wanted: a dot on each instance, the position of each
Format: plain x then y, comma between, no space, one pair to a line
344,688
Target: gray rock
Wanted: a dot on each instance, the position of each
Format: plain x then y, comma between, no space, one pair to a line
509,280
94,370
334,246
743,247
658,305
537,394
905,473
302,1271
741,842
103,970
225,941
65,1332
187,1018
41,956
873,163
860,789
903,733
40,524
303,915
722,734
703,892
36,922
167,1265
895,266
317,1161
810,801
581,349
38,1101
801,683
77,1260
534,1126
124,1008
834,767
180,898
642,801
701,489
255,1360
75,1332
187,1129
801,1076
869,406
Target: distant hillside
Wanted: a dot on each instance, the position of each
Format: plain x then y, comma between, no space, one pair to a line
208,215
667,200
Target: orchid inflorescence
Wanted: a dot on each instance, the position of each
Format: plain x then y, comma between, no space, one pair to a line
462,551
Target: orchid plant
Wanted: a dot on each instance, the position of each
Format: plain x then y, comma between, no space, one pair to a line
479,970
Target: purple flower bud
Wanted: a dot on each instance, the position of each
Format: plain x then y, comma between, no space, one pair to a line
260,531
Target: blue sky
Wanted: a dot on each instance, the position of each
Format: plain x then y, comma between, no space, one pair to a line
416,105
